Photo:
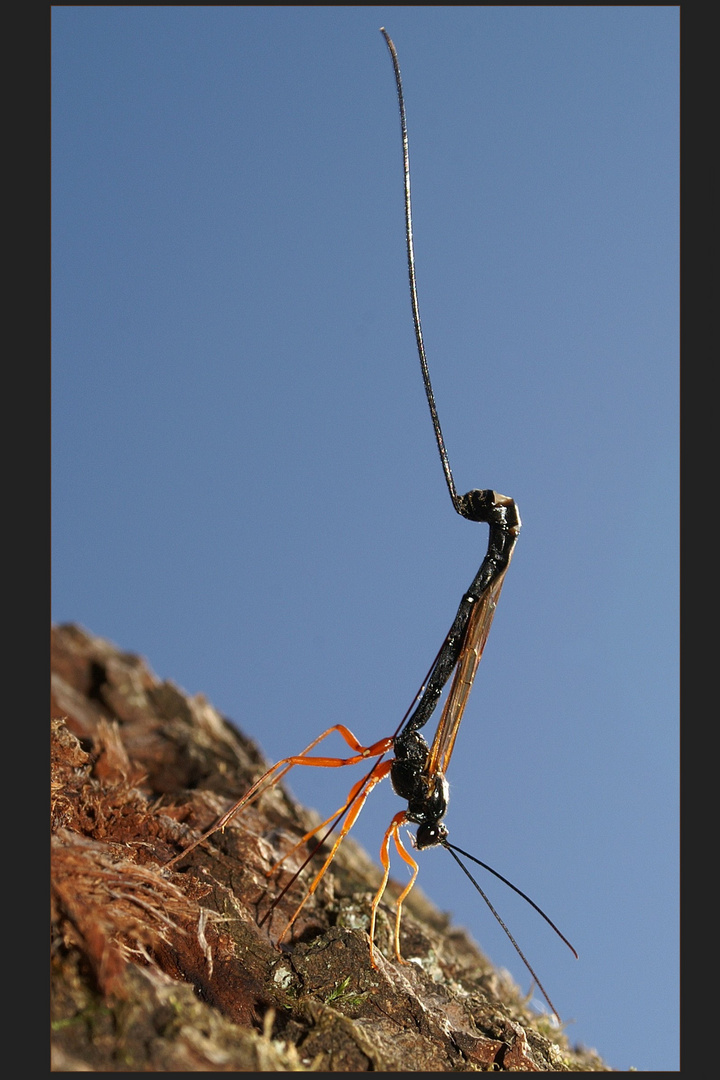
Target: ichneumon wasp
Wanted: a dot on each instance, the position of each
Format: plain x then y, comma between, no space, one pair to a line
416,770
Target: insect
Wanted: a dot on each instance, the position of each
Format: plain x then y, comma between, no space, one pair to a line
416,770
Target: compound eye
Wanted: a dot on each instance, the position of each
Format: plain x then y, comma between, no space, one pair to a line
430,835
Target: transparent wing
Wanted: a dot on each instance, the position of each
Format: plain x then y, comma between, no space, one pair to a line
470,655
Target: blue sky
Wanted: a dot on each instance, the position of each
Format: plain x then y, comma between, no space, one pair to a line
245,483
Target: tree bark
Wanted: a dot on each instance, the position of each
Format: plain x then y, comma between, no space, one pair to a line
170,970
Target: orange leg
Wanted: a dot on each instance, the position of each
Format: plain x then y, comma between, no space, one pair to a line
352,807
392,832
405,855
355,802
352,795
276,772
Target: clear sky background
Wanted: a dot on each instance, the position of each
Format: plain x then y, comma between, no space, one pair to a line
246,485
